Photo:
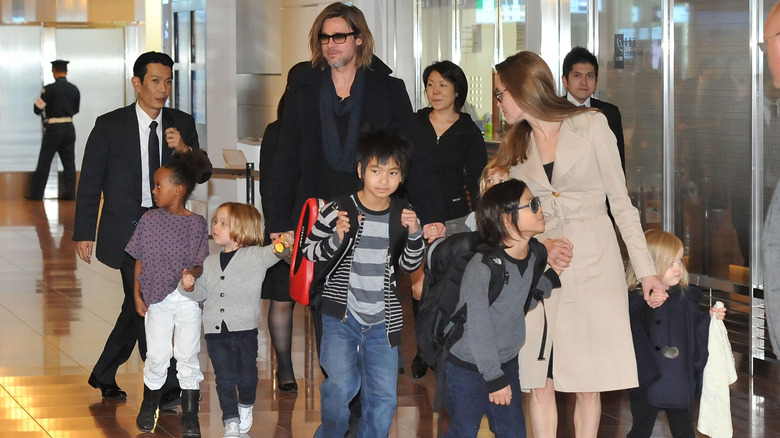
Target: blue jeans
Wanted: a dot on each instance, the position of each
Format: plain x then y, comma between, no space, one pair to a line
234,356
357,357
466,400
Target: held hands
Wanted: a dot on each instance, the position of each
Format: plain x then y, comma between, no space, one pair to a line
559,253
409,220
654,291
501,397
173,137
187,280
433,231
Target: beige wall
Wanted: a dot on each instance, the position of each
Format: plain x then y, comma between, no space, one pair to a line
95,11
111,10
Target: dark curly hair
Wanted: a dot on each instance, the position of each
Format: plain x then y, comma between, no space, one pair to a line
189,169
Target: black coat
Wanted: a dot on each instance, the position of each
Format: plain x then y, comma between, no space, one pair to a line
112,168
615,124
458,156
679,322
301,171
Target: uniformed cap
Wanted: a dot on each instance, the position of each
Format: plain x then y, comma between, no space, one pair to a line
60,64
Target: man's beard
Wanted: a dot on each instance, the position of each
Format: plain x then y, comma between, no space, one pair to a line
341,62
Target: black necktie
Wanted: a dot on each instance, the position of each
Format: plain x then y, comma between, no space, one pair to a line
154,153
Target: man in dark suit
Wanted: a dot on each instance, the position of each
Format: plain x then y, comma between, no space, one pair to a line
58,103
580,77
118,164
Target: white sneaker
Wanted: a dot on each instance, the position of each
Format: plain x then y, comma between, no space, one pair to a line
245,414
231,430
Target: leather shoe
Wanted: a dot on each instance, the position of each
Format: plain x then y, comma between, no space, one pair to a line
107,391
288,387
419,367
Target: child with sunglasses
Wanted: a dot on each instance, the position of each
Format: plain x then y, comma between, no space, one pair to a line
482,368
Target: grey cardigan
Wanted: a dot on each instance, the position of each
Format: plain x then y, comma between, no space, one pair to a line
232,295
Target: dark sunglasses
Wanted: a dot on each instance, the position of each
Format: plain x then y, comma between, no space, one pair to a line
338,38
534,205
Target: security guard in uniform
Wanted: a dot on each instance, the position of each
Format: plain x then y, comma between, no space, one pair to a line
58,103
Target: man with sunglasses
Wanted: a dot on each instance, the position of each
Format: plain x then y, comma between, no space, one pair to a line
343,90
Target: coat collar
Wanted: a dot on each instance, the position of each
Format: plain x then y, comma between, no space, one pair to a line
569,151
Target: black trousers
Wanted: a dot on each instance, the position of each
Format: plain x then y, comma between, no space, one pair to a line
680,420
59,138
128,330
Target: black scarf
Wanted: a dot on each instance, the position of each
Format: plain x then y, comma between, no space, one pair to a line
341,157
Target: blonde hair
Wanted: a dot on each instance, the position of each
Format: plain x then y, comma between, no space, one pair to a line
245,223
663,248
530,83
357,23
491,167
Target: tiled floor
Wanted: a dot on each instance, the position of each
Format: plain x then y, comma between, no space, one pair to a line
55,314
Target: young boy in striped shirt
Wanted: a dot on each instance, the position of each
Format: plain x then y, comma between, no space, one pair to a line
361,307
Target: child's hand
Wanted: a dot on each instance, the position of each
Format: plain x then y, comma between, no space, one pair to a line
187,280
342,225
409,220
654,291
657,299
140,307
559,253
719,312
501,397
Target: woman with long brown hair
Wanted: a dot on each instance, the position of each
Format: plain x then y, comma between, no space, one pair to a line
568,157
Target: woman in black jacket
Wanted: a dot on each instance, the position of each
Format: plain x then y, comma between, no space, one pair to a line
453,141
458,154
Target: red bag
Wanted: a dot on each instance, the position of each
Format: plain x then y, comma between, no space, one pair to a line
301,268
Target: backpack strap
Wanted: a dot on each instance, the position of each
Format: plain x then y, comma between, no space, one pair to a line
323,270
540,251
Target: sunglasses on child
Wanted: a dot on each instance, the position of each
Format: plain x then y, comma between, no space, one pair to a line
534,205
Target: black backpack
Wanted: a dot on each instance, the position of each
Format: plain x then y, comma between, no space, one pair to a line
439,324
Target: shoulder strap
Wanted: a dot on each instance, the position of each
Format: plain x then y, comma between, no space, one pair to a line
343,203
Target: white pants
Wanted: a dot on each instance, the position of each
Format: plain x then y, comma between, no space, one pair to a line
175,318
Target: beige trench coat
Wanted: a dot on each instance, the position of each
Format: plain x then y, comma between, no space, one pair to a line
588,316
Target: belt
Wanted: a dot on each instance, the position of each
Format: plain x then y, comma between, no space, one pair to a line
54,120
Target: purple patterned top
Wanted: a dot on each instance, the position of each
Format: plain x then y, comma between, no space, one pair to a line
167,243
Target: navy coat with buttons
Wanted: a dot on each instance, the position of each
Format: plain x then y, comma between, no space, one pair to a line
671,382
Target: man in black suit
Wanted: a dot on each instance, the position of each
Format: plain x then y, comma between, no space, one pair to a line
118,164
580,77
58,103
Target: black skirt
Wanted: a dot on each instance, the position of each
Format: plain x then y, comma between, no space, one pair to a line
276,285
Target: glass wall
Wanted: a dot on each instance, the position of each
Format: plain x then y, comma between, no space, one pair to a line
466,32
712,134
700,117
633,80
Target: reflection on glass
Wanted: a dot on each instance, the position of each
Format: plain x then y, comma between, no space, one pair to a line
578,10
630,77
198,46
712,128
199,96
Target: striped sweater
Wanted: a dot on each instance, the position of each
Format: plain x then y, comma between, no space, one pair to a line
404,252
